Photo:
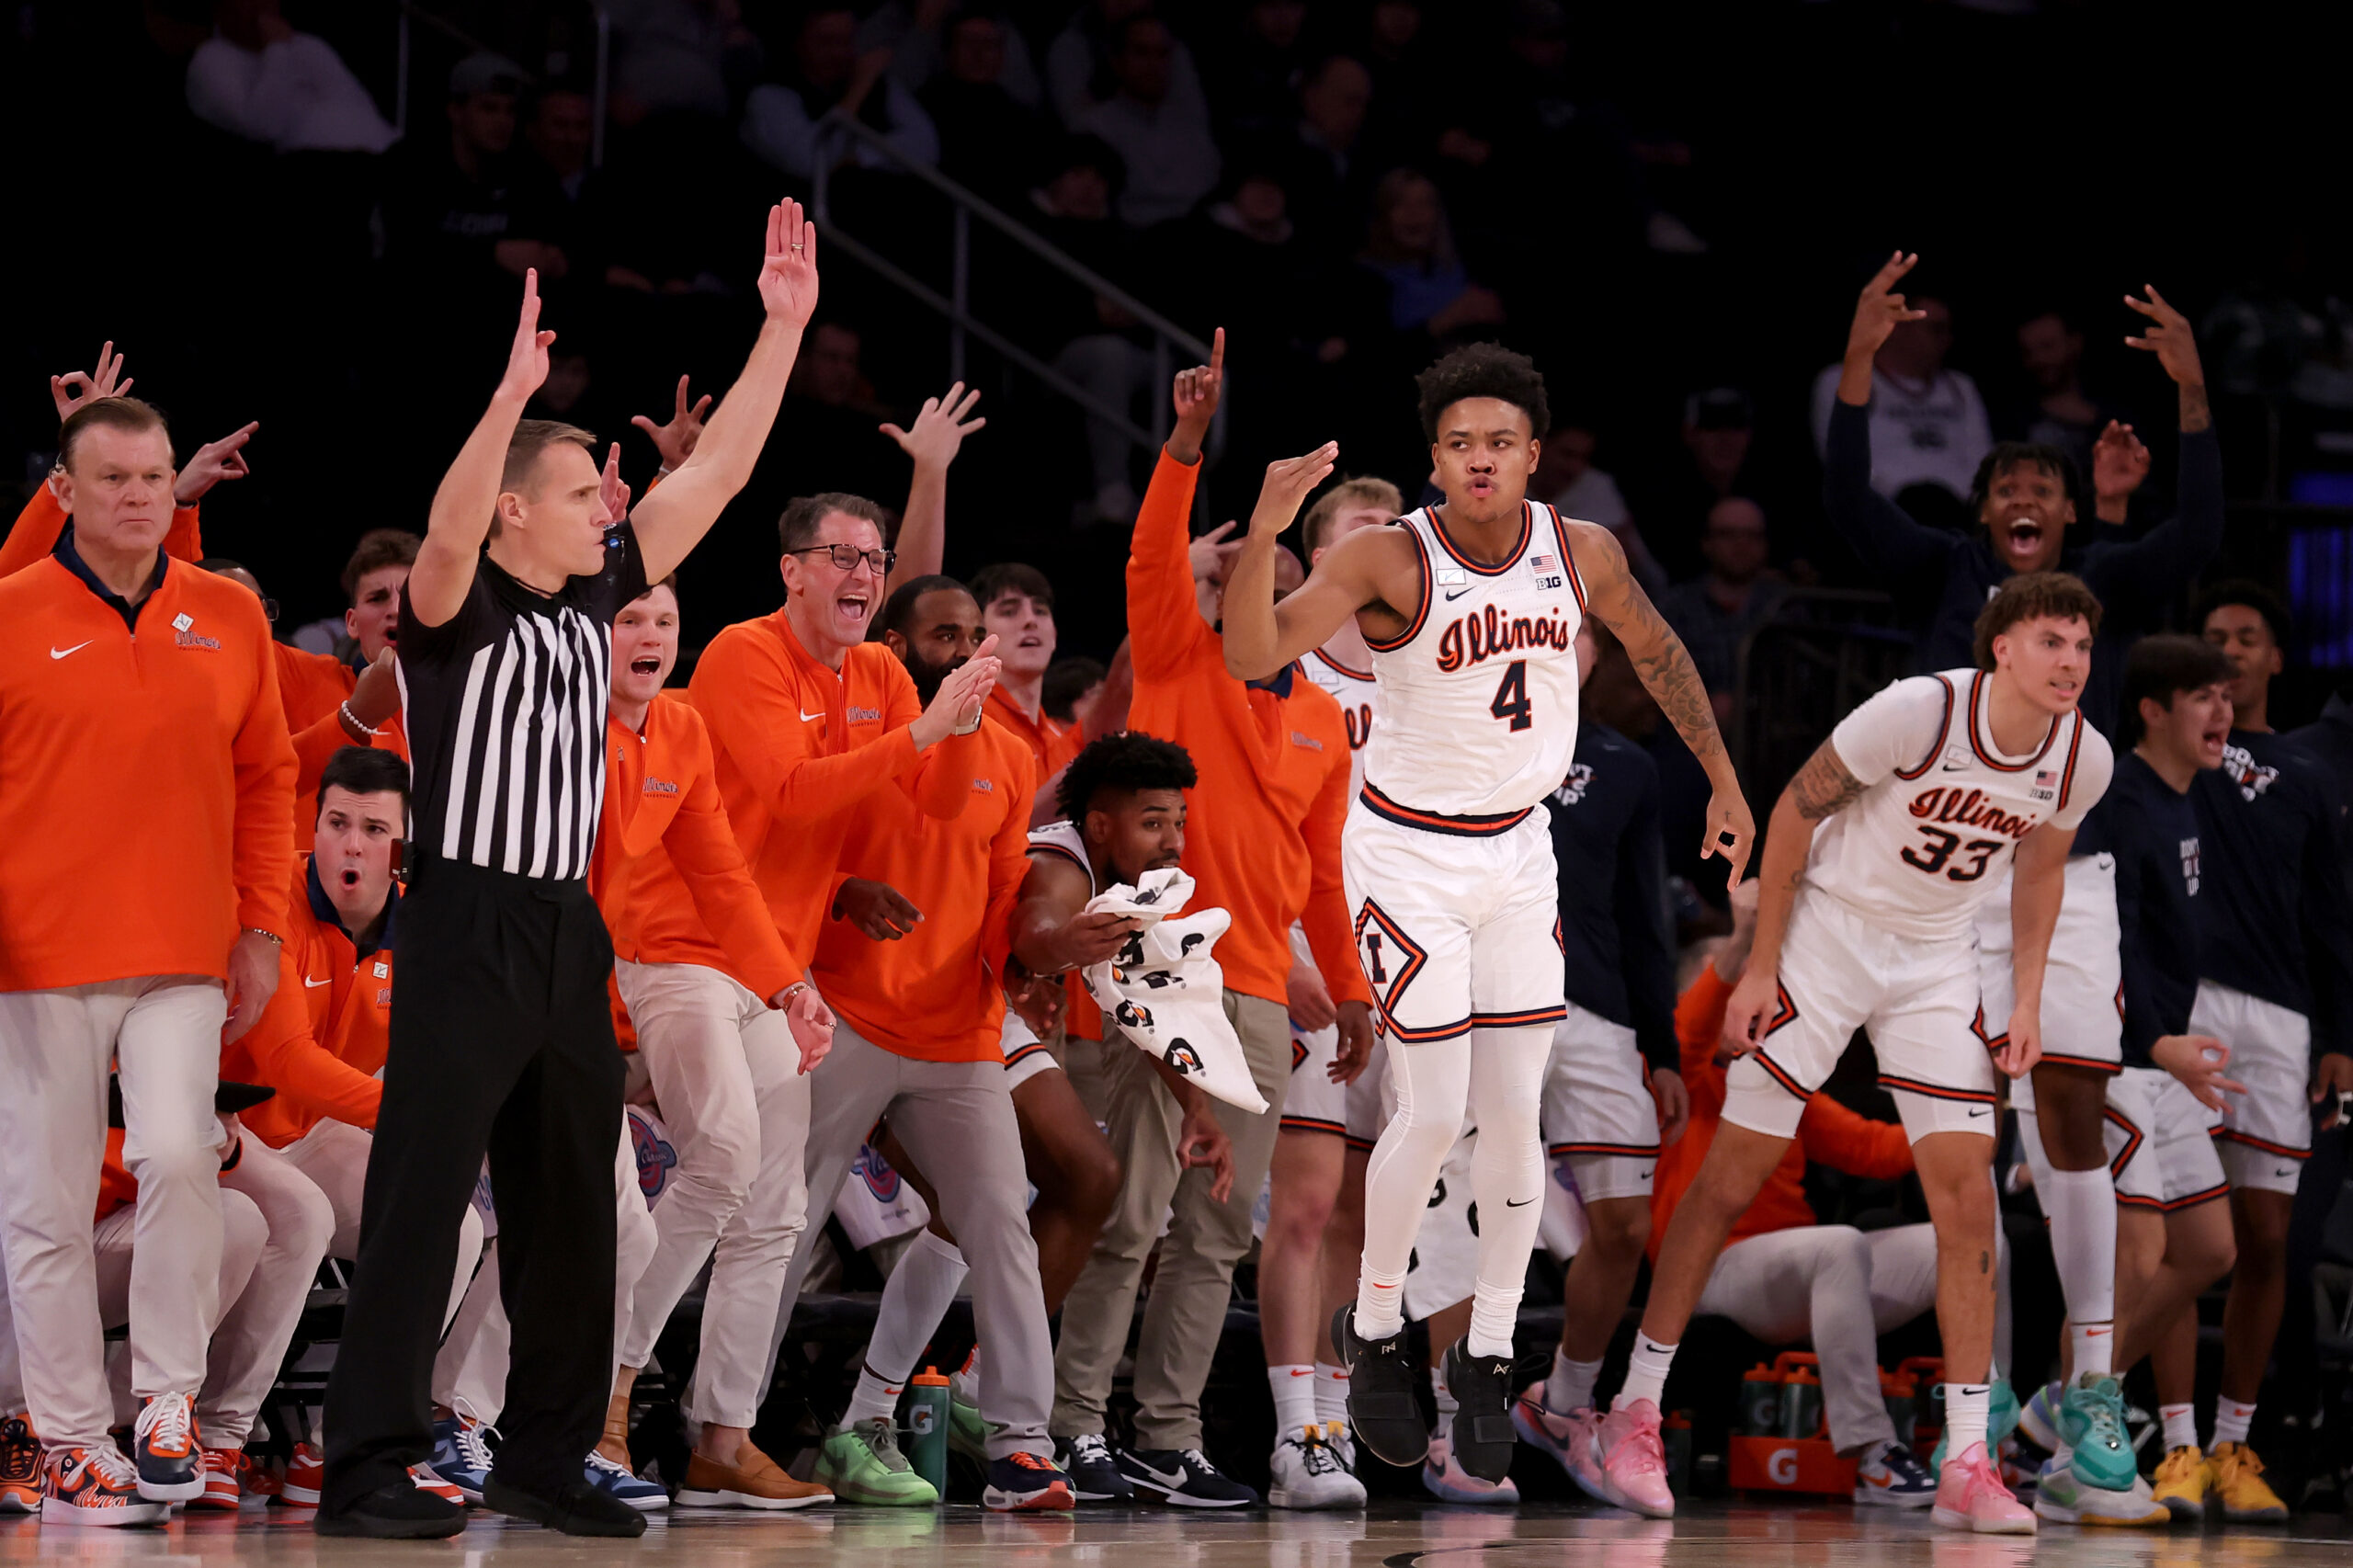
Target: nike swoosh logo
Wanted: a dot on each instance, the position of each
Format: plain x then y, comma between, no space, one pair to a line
1956,768
61,652
1456,595
1517,1202
1308,1373
310,985
1981,1110
1165,1478
2094,1333
806,715
2285,1171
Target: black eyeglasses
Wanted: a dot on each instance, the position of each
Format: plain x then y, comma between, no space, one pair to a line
845,557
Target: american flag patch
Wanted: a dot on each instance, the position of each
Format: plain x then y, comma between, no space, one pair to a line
1543,563
2045,777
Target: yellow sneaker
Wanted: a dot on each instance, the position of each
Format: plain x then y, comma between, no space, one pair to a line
2183,1476
2238,1482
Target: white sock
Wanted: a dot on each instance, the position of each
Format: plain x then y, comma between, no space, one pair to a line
1508,1175
1331,1392
1294,1391
1645,1372
2181,1426
2081,1206
915,1297
1444,1398
2231,1419
1433,1086
1570,1385
875,1397
965,1381
1967,1406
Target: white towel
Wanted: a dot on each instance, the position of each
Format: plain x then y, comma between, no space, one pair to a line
1167,994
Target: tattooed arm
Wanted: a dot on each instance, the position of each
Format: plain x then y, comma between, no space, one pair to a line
1614,598
1823,787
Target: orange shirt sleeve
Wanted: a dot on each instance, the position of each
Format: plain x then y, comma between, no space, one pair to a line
262,854
1846,1141
942,781
304,1073
752,706
43,519
1165,632
703,850
1008,864
1331,935
314,747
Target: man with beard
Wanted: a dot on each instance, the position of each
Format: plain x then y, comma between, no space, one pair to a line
910,964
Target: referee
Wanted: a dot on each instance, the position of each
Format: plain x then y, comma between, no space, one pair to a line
501,1039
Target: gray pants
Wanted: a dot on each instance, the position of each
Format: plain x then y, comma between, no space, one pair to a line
1206,1239
957,1119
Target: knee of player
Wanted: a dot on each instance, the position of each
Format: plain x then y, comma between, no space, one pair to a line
1845,1248
724,1165
2212,1260
159,1162
1094,1180
1620,1229
305,1224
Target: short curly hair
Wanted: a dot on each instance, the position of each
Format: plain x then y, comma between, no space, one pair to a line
1484,369
2033,596
1126,762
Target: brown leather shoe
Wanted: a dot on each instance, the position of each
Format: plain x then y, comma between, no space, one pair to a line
754,1480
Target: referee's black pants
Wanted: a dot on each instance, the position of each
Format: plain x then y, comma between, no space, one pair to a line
501,1041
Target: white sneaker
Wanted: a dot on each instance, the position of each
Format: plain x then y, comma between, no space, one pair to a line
2062,1497
1306,1473
1343,1442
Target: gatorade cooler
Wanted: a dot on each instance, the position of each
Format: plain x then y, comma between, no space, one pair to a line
1760,1402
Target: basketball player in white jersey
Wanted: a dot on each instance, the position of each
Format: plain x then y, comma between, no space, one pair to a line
1316,1185
1879,854
1469,611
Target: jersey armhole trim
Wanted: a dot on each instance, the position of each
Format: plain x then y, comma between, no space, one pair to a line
1568,558
1422,614
1944,730
2074,748
1038,848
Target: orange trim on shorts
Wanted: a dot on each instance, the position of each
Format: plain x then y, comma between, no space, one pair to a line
1774,1070
1636,1151
1518,1020
2097,1064
1488,826
2133,1139
1313,1124
1977,1028
2265,1144
1936,1091
2175,1206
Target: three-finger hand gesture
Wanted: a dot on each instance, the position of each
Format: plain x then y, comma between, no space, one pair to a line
1880,309
939,427
75,388
789,273
676,441
2169,337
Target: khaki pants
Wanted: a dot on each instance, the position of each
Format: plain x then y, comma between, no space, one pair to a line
1187,1312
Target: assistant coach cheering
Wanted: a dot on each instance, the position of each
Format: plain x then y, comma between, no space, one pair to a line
500,1036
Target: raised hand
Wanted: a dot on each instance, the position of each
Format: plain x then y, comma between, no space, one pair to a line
955,707
75,388
789,274
212,463
2120,462
2169,337
676,441
1197,393
1210,554
527,359
612,491
1289,482
939,427
1879,309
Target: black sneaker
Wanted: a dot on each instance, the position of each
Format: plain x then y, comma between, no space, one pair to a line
398,1512
576,1508
1483,1439
1384,1407
1184,1477
1094,1475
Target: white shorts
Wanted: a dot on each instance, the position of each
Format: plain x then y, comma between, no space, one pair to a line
2083,985
2266,1132
1026,1055
1599,1114
1841,972
1455,920
2160,1142
1312,1102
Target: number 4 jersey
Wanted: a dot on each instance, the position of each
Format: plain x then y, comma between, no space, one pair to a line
1943,810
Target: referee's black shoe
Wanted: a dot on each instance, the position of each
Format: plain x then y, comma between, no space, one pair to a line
1483,1439
577,1508
1384,1407
400,1511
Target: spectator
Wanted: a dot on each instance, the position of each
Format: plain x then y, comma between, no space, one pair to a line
991,138
560,206
1330,172
1411,248
783,119
1717,611
2058,413
1069,684
258,78
1078,62
1718,436
452,205
678,57
1927,423
921,37
1566,475
1161,135
830,373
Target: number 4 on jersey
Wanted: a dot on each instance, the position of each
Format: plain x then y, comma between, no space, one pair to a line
1511,698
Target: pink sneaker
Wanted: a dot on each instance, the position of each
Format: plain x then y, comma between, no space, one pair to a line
1633,1463
1449,1482
1970,1497
1572,1439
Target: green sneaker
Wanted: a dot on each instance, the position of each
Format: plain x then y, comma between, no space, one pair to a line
863,1464
2091,1422
967,1433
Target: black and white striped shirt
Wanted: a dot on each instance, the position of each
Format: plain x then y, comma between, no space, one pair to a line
505,708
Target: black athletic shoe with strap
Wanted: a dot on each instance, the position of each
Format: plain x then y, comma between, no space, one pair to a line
1483,1437
1384,1406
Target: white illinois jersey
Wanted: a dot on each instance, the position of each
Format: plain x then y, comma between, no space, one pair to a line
1063,839
1352,689
1943,810
1478,697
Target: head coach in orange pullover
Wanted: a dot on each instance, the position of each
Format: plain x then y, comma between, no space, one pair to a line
147,799
1262,841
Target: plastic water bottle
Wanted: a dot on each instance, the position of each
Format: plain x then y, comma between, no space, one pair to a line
928,1427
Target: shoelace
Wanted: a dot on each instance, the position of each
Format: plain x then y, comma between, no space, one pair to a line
1024,1459
609,1467
1317,1455
1089,1451
881,1438
168,1423
472,1446
2104,1412
110,1466
1645,1441
1200,1461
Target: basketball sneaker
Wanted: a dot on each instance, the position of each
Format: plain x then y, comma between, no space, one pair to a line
862,1464
223,1478
19,1466
305,1473
2183,1477
1446,1479
1970,1497
168,1451
95,1486
1028,1483
1574,1441
2246,1498
1892,1478
1634,1461
1384,1402
1306,1473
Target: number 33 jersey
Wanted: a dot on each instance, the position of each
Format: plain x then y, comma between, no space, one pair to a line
1478,698
1942,811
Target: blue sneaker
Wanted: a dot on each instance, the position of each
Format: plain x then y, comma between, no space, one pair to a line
1892,1478
2040,1419
2091,1422
620,1483
461,1455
